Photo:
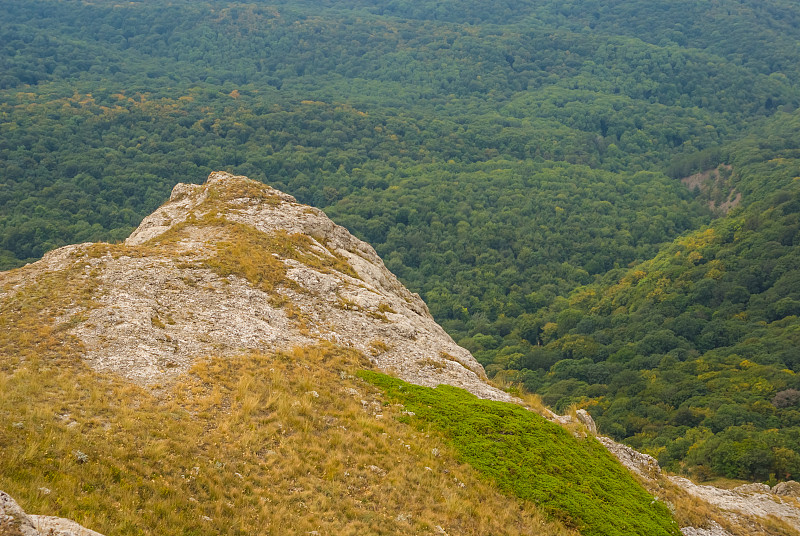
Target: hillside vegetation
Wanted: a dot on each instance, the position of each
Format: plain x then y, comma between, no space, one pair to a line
506,159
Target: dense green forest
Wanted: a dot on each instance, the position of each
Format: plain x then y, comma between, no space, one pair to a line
692,355
518,163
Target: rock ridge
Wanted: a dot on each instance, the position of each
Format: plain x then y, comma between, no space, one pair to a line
232,266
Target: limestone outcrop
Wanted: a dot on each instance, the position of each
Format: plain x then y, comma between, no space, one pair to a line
643,465
232,266
754,500
746,504
15,522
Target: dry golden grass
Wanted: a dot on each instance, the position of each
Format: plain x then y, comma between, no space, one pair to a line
253,445
380,317
239,249
258,444
250,258
385,308
378,347
535,403
28,318
244,251
241,189
436,364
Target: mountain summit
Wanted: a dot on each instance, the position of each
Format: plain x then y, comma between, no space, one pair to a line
234,265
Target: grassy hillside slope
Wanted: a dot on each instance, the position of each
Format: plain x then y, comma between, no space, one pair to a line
284,443
260,444
498,156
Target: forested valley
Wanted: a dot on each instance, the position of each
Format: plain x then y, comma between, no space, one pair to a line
600,200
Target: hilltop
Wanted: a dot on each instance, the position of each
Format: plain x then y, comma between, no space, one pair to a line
235,266
599,201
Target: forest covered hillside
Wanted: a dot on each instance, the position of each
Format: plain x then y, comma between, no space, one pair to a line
692,355
517,163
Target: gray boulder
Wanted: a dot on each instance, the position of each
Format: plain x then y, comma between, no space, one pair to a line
789,488
15,522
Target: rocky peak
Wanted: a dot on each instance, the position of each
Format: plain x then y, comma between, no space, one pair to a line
232,266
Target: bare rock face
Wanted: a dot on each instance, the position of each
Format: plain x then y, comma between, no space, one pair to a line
789,488
585,419
755,500
643,465
234,266
15,522
712,530
13,519
748,504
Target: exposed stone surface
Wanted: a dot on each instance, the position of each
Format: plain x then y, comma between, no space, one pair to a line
58,526
159,305
752,500
15,522
714,185
13,519
713,529
643,465
754,487
155,313
745,505
585,419
787,489
581,417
